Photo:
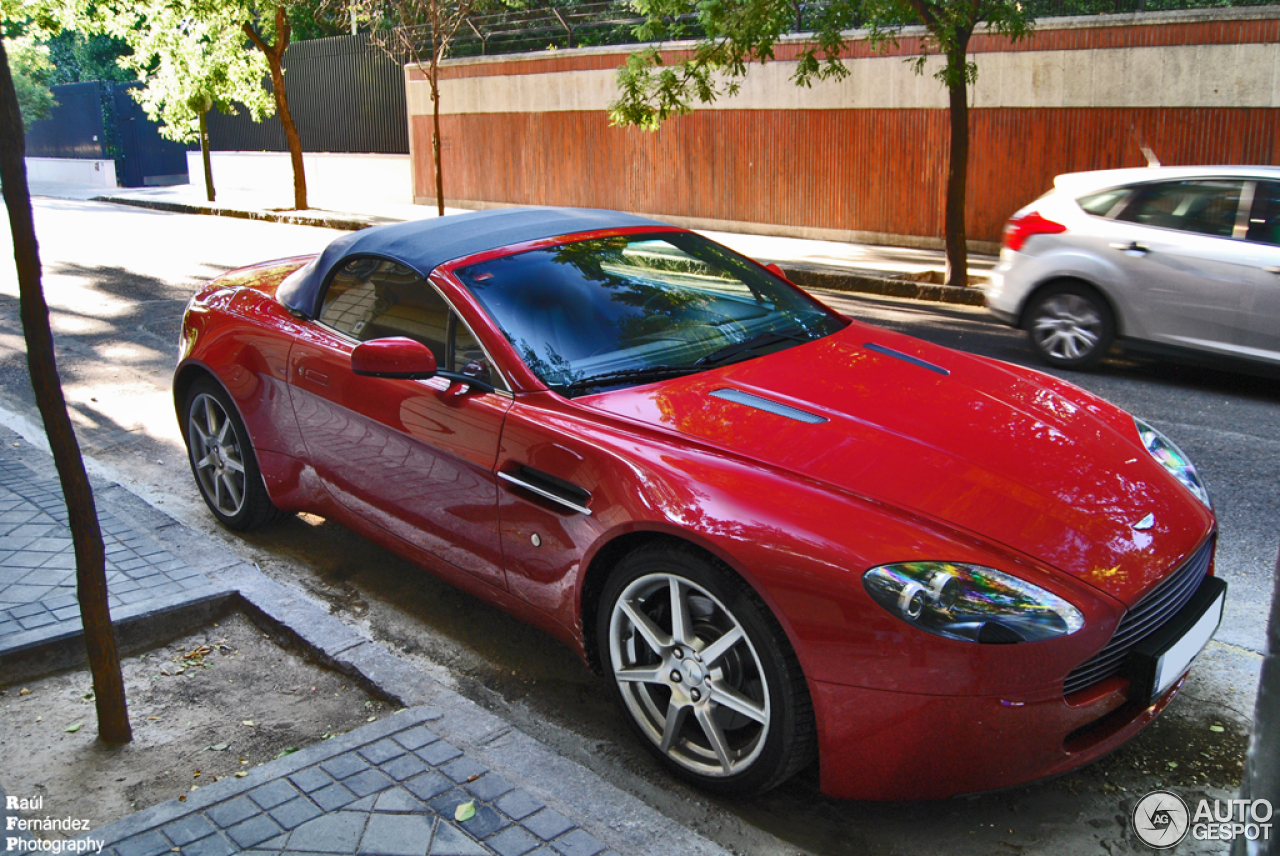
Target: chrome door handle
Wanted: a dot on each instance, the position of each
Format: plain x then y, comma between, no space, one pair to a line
1131,247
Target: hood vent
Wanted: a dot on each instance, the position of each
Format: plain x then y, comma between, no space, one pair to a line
907,358
746,399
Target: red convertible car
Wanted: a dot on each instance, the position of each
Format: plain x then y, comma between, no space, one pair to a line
782,534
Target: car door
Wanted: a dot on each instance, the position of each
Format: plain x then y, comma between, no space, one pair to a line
1183,266
1262,301
415,457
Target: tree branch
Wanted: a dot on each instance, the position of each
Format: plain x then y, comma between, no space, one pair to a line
283,30
255,38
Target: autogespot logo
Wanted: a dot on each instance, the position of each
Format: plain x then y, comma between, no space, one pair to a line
1161,819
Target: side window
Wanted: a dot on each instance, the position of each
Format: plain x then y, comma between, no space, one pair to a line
466,348
1104,203
1264,219
373,298
1204,207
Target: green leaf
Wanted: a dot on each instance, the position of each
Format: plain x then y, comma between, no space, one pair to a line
465,812
73,729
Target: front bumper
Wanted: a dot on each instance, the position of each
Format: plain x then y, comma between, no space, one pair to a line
881,745
878,745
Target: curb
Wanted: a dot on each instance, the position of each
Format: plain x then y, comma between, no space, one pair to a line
138,627
345,221
859,283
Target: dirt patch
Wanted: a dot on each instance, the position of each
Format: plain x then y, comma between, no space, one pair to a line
216,702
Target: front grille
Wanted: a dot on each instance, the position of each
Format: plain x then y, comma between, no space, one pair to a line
1148,616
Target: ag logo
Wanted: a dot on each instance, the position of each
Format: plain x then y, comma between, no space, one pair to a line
1161,819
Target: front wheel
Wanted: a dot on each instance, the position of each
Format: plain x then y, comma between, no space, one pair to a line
703,672
1071,327
222,459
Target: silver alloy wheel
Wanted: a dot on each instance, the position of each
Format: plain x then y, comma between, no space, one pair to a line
697,689
216,455
1067,327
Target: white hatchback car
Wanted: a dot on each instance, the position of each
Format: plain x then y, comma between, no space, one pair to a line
1178,261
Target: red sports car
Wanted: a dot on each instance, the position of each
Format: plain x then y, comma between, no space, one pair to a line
781,533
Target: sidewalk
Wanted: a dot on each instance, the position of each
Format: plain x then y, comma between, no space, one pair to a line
858,268
385,789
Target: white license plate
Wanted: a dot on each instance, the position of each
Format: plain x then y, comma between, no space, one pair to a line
1173,663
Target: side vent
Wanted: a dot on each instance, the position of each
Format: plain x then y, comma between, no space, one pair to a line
906,358
547,486
746,399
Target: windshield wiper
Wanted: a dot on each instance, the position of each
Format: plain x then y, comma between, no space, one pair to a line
747,347
642,374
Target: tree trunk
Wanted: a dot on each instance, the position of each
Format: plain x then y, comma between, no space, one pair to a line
435,135
437,49
275,58
204,156
290,135
86,535
957,169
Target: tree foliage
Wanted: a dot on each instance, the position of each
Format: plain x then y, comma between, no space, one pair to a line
730,35
191,57
318,19
78,58
32,72
194,55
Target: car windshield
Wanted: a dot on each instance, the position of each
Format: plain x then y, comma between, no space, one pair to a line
618,311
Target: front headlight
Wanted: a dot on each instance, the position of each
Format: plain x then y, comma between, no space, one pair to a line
970,602
1173,459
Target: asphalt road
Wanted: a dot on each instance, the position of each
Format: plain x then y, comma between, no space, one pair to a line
117,279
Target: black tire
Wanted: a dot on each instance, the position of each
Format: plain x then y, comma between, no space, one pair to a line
1070,326
737,647
222,459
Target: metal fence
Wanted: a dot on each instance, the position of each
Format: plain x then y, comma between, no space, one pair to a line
520,30
100,121
345,96
613,22
74,128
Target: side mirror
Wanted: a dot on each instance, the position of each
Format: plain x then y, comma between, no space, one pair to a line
397,357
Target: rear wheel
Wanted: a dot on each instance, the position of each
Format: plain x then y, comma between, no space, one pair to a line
703,672
1070,326
222,460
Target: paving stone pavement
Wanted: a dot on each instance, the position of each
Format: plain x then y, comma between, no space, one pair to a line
387,789
37,562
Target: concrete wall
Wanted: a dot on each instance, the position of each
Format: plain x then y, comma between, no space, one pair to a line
96,173
863,158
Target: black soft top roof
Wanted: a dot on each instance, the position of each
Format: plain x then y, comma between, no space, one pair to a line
424,245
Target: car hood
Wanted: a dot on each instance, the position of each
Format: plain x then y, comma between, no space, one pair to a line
1011,455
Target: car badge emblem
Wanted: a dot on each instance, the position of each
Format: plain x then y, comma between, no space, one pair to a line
1145,523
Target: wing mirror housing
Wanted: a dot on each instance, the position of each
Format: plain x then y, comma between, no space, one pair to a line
396,357
408,359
